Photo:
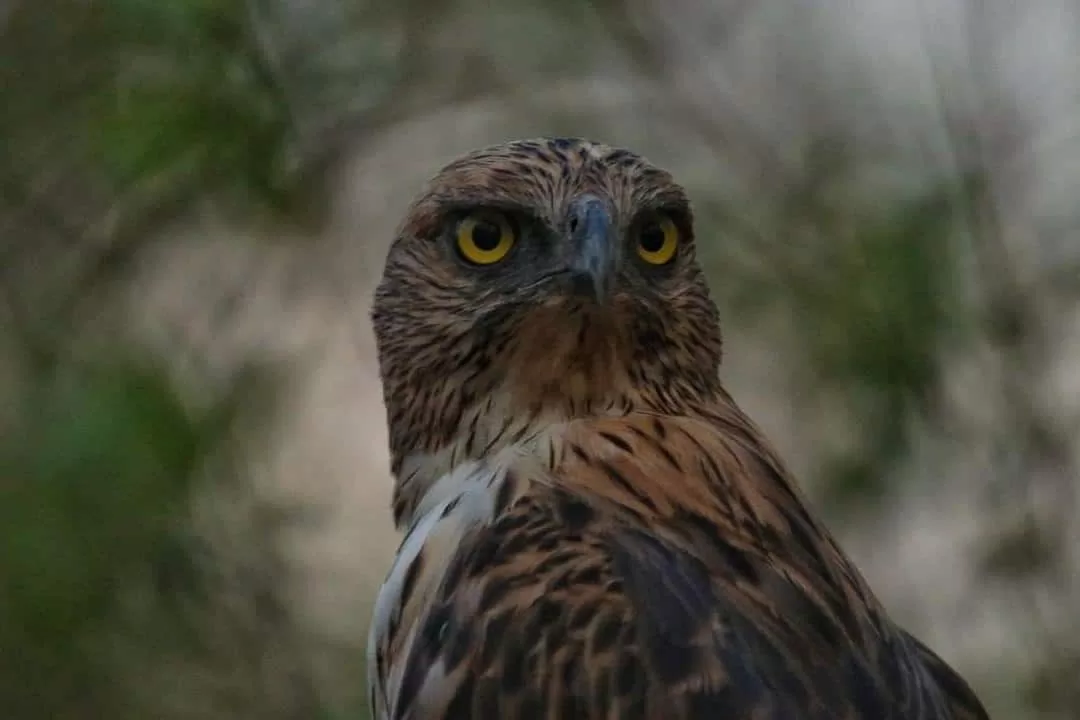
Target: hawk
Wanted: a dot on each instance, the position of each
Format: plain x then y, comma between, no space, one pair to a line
593,528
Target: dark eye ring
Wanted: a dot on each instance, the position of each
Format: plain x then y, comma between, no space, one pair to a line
484,238
658,240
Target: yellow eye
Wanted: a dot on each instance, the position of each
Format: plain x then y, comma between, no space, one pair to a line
484,239
658,240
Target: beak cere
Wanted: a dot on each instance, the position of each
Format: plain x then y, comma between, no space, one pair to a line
594,256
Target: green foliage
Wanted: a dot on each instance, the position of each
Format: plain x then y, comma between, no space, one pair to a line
95,472
869,281
195,95
877,324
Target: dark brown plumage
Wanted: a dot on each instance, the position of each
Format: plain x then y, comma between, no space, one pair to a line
594,529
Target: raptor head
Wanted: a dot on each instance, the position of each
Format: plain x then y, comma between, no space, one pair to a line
550,277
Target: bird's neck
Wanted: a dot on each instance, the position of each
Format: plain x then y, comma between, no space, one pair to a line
498,433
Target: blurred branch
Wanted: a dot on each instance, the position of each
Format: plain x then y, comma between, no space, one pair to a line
723,125
266,60
1035,496
1014,314
412,94
101,253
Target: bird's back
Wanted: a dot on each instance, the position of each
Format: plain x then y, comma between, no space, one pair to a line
639,566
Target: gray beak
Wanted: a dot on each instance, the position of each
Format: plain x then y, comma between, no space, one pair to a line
594,258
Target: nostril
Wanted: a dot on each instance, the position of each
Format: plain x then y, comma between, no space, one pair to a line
587,213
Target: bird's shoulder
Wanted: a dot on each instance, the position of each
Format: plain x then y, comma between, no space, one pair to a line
654,567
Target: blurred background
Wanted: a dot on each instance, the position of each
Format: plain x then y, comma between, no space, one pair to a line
196,197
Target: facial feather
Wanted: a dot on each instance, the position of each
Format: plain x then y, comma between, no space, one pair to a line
469,355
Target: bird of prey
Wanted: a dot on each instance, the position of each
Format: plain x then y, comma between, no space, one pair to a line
593,528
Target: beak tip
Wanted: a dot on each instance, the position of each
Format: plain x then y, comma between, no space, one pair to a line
589,285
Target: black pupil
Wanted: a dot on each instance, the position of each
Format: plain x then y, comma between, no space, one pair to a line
486,235
652,238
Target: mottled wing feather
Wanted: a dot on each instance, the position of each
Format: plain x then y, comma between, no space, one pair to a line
961,700
620,593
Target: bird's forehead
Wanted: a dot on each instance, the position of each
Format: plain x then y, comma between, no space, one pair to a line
543,175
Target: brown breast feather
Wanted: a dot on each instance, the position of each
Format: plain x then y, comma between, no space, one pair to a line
660,568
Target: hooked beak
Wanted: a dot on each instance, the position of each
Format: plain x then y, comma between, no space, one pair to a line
594,259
